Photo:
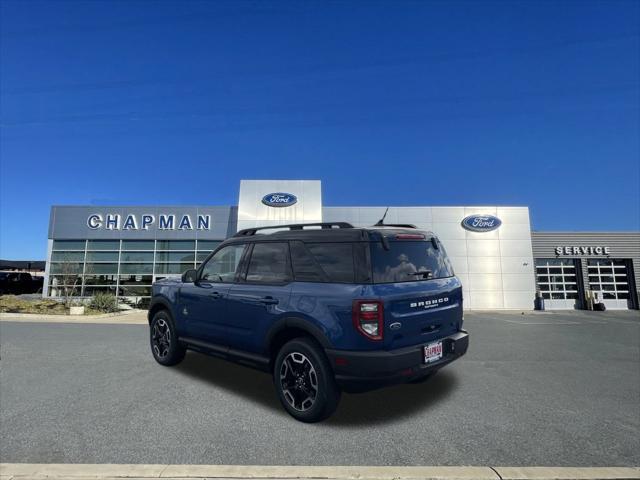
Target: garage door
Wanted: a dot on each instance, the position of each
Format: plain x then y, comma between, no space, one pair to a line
558,283
610,280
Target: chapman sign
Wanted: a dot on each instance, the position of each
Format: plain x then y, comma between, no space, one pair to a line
576,250
144,222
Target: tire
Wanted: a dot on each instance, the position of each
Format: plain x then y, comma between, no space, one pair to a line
163,340
304,381
423,379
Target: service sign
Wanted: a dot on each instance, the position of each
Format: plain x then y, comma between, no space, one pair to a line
583,250
279,199
481,223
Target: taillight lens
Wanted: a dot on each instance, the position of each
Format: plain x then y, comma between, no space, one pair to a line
368,318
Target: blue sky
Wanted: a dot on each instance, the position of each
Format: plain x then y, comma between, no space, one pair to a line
389,103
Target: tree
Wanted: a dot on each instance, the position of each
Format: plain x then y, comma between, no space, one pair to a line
67,278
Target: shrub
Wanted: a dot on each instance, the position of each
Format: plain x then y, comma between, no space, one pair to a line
104,302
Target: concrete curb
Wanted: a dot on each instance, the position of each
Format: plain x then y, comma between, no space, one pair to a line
567,473
133,317
24,471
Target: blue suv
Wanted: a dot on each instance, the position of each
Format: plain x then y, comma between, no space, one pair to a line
323,307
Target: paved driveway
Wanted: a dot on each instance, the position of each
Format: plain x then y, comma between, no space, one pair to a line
534,389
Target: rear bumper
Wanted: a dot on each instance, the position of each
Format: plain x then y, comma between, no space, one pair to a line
357,370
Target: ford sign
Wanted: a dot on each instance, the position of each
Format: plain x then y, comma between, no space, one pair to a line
279,199
481,223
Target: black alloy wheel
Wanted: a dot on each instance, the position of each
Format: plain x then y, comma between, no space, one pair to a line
164,340
305,381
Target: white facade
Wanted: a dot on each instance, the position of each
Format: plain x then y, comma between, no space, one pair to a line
496,268
253,213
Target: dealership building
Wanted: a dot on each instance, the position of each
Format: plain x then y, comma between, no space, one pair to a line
501,262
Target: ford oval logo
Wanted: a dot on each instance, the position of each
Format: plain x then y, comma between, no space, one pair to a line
279,199
481,223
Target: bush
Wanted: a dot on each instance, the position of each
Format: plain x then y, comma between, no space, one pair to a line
104,302
13,304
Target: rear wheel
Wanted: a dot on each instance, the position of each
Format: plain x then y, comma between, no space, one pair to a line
164,340
304,381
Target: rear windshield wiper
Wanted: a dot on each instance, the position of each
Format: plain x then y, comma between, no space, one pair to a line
424,273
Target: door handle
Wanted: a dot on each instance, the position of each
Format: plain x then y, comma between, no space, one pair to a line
215,295
269,301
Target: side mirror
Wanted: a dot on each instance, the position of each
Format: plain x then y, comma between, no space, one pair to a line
190,276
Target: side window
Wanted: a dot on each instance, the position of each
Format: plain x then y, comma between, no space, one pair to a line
269,263
223,265
336,259
305,267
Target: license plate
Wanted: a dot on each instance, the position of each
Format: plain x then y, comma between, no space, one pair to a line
433,352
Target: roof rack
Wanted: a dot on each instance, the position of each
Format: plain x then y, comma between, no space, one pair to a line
294,226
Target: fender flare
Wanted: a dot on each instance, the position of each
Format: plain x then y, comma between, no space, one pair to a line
159,301
299,323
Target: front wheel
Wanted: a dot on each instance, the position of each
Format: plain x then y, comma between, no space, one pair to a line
164,340
305,382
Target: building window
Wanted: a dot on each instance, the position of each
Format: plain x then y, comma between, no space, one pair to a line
175,257
176,245
138,245
102,256
172,268
136,268
69,245
103,245
67,256
138,257
124,268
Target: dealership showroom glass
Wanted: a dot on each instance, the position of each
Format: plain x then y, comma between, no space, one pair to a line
501,262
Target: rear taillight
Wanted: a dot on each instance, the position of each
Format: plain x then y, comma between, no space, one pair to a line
368,318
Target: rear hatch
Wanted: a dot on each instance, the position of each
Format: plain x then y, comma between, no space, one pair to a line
422,298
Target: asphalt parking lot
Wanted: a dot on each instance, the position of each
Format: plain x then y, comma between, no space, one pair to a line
534,389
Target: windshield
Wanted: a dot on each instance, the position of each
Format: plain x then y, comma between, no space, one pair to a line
409,261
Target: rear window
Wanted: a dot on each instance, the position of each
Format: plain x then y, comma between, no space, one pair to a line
405,259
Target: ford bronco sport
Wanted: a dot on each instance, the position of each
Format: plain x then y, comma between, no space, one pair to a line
323,307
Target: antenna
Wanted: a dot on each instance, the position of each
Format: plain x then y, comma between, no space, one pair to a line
381,221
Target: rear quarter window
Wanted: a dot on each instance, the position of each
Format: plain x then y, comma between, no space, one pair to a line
336,259
331,262
269,263
406,258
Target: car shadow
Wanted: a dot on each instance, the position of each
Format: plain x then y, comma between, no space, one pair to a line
385,405
392,404
253,384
